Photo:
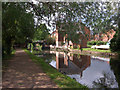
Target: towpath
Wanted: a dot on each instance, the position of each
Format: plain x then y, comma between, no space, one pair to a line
22,72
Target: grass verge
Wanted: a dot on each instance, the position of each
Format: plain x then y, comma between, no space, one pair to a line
97,50
61,80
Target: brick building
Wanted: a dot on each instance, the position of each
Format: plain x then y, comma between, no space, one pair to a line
104,36
62,41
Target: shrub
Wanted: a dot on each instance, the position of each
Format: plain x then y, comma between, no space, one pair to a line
96,43
91,42
115,43
100,43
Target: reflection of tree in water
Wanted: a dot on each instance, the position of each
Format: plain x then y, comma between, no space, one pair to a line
104,82
48,58
115,66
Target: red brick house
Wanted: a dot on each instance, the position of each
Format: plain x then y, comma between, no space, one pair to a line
61,40
104,36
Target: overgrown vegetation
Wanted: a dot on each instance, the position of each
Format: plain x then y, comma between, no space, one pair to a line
61,80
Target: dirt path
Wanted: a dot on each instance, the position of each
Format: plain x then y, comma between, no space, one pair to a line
22,72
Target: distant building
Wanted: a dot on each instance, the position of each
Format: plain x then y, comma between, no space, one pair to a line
62,41
104,36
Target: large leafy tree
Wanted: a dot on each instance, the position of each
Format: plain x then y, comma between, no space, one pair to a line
17,25
70,16
115,42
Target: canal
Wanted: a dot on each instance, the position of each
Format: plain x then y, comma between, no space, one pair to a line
94,72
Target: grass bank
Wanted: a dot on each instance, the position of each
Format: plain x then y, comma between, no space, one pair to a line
61,80
96,50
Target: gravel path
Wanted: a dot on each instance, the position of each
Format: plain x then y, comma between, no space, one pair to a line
22,72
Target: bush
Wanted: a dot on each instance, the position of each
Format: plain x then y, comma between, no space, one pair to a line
100,43
91,42
96,43
115,43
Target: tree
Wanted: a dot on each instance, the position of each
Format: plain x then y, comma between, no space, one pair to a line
70,16
41,33
115,42
17,25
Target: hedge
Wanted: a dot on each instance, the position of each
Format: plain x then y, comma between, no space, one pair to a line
96,43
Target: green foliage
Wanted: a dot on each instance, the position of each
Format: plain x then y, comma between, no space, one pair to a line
39,47
41,33
115,43
73,16
96,43
89,46
18,22
17,25
91,42
50,40
61,80
101,43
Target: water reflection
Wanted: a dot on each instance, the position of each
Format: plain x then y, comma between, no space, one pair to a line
91,71
107,81
72,64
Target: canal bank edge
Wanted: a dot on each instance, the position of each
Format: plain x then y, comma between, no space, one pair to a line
102,54
60,79
87,52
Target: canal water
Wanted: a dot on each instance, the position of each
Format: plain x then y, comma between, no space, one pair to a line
94,72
